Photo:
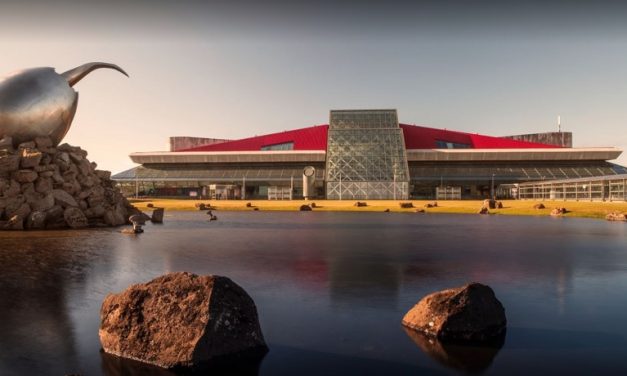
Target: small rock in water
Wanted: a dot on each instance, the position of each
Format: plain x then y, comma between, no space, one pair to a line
157,215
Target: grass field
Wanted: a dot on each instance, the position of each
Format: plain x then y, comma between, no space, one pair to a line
510,207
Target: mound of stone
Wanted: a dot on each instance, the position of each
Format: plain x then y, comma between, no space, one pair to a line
558,212
406,205
305,208
539,206
616,216
180,320
46,187
468,313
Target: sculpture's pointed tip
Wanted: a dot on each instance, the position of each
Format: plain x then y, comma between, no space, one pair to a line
74,75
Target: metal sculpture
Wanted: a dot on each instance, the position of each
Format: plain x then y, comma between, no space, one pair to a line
40,102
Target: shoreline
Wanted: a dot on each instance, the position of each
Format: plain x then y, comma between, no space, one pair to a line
578,209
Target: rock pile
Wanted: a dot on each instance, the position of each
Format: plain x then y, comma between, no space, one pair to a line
47,187
558,212
616,216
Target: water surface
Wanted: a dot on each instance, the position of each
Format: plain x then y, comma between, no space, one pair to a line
331,289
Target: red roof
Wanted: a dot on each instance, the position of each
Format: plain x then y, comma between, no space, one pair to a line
416,137
311,138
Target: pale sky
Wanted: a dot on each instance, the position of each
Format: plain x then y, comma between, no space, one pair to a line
230,69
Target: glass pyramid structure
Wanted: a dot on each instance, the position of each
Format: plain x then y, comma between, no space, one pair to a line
366,156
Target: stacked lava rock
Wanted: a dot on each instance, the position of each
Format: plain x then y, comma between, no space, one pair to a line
48,187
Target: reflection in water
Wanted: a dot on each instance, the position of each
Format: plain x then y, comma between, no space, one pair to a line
34,319
357,282
330,289
471,359
244,364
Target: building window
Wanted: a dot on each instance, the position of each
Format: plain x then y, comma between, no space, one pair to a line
282,146
440,144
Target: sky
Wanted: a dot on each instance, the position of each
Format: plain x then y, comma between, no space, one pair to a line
234,69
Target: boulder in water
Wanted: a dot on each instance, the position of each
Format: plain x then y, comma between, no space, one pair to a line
180,320
468,313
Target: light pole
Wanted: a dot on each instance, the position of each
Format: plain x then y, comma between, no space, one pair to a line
492,193
340,186
394,186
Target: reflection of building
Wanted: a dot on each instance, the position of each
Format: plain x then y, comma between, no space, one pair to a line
364,154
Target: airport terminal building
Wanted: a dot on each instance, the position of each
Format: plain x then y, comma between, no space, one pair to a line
362,154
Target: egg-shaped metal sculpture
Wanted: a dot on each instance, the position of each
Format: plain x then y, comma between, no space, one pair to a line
40,102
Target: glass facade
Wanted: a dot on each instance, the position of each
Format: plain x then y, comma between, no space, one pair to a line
283,146
366,156
440,144
612,188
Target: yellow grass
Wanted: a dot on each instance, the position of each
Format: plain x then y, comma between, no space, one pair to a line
510,207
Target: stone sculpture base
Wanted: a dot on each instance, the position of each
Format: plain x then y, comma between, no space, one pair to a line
47,187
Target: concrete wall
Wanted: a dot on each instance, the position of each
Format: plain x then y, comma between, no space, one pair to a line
564,139
178,143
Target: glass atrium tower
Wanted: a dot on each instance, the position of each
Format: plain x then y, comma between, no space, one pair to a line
366,156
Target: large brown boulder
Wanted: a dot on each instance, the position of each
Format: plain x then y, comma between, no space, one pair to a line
467,313
180,320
